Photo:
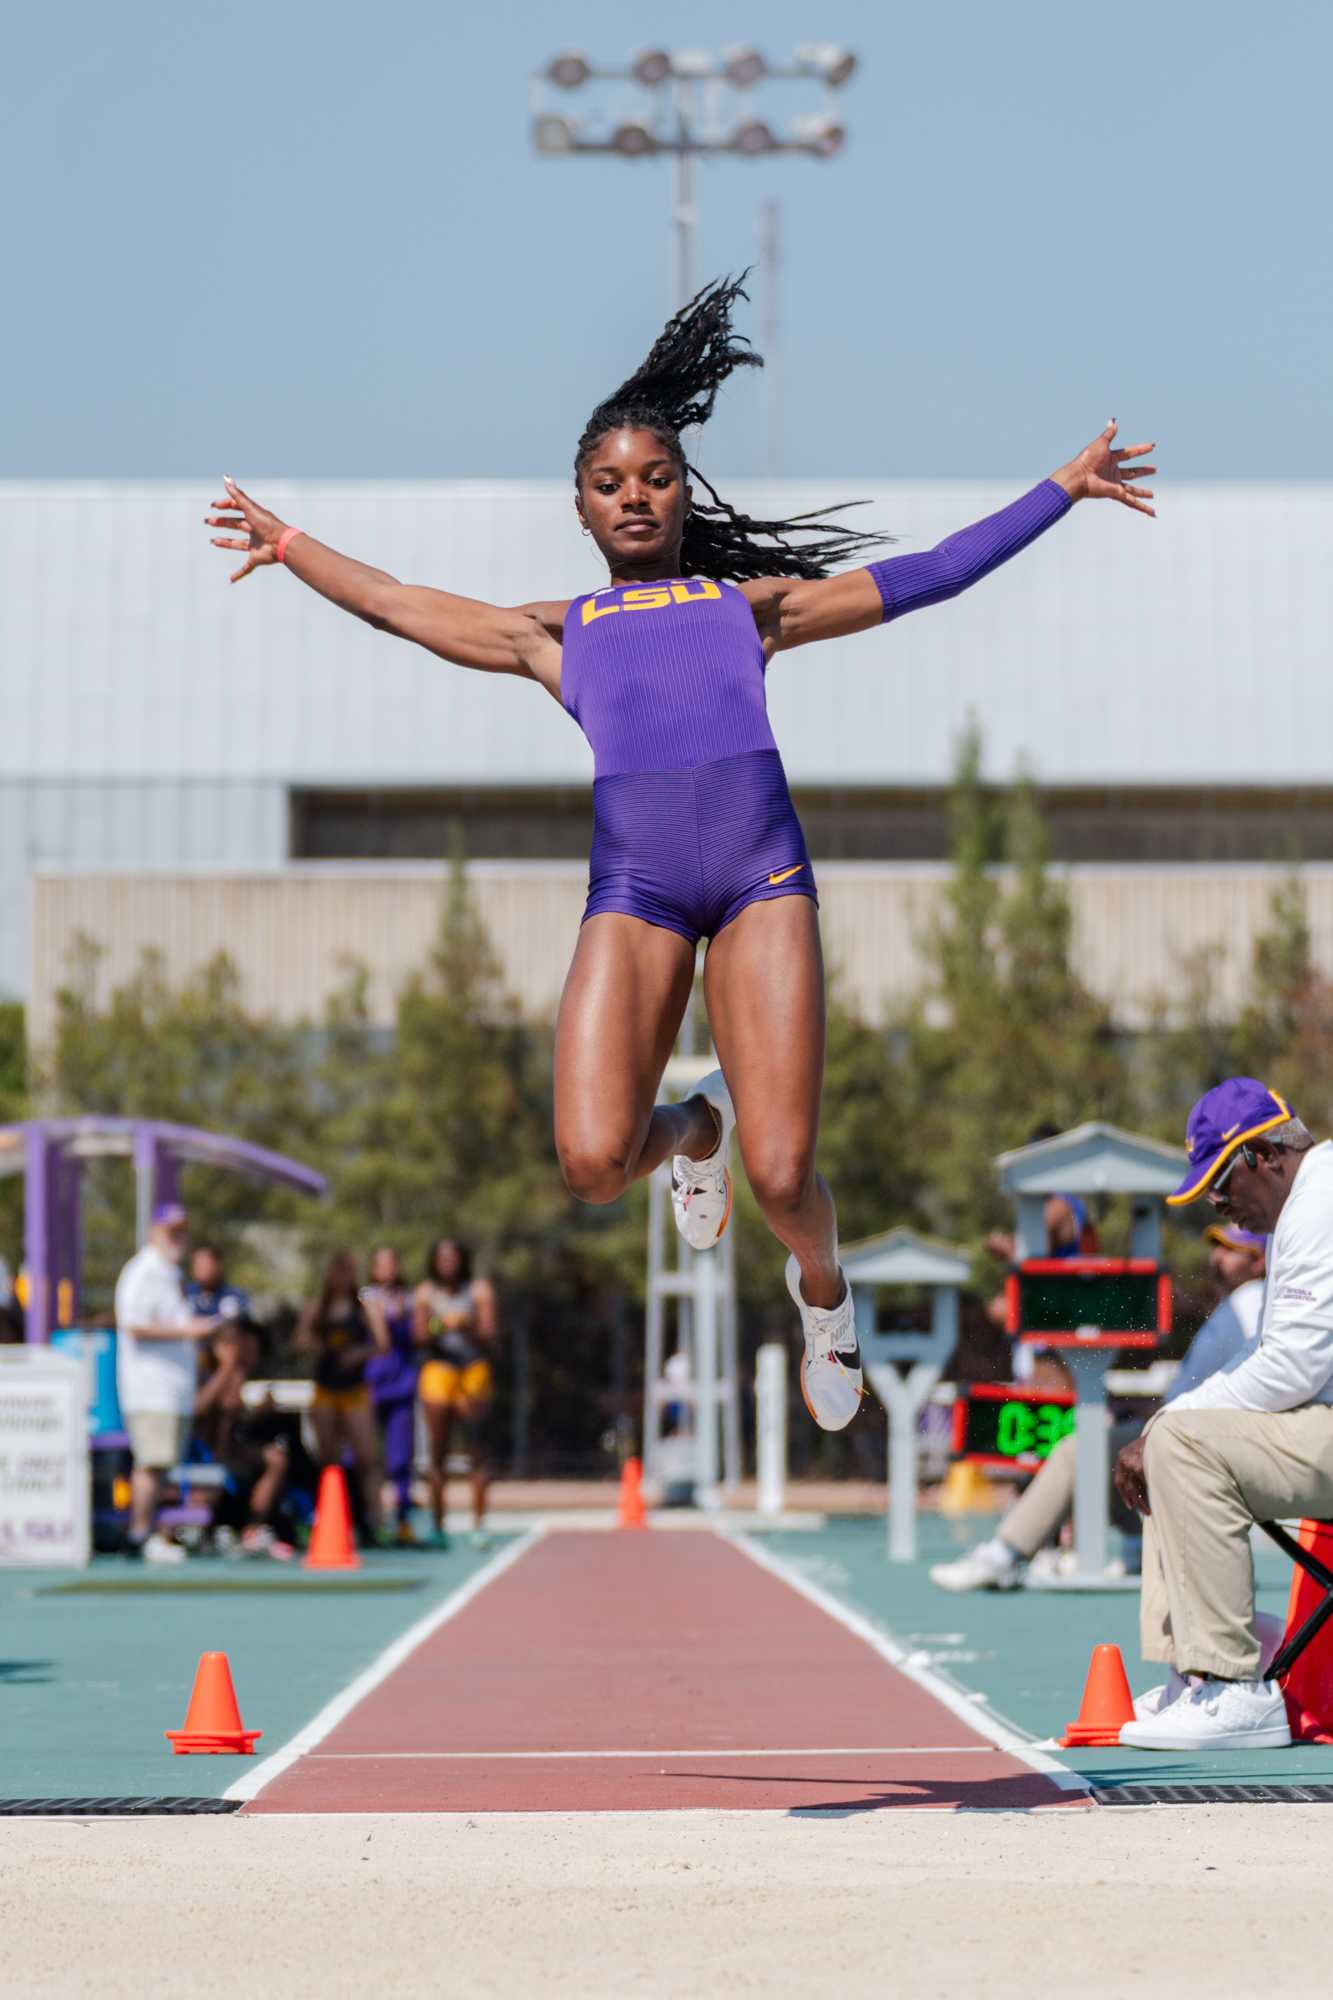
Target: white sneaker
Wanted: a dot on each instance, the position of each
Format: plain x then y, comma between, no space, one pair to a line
701,1189
831,1380
989,1566
157,1549
1158,1698
1215,1715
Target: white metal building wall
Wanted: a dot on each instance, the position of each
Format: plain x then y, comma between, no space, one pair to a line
1195,650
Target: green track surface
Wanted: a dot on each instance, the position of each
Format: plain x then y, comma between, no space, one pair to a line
90,1679
1025,1653
224,1583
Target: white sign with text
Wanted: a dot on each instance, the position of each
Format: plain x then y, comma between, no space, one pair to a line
45,1495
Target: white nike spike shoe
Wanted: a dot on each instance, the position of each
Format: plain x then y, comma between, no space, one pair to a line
831,1365
701,1189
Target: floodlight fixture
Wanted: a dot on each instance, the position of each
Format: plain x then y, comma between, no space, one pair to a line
819,136
743,68
752,139
553,135
635,141
651,67
835,65
569,70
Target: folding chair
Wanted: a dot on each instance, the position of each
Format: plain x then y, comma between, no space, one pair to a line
1291,1649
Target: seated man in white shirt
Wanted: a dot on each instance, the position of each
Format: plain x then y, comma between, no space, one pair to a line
157,1369
1252,1443
1237,1260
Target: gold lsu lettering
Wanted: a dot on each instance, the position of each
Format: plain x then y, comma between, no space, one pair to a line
653,597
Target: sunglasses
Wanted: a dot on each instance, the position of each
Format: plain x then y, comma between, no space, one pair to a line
1245,1153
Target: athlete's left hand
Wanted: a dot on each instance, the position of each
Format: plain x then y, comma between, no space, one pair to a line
1101,472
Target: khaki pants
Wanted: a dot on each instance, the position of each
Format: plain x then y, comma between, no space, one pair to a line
1211,1475
1048,1501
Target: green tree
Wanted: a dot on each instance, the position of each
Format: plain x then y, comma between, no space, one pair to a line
1006,1037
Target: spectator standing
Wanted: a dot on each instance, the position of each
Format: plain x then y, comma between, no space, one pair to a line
336,1330
208,1290
454,1323
391,1373
157,1346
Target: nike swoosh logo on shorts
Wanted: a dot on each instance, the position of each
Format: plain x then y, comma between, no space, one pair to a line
787,873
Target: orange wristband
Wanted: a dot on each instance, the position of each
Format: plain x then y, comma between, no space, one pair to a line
287,535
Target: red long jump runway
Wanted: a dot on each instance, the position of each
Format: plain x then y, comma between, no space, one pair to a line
637,1672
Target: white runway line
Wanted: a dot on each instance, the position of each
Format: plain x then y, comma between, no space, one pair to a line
965,1706
379,1670
644,1756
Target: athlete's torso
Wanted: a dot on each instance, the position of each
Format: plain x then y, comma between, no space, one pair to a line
665,676
453,1324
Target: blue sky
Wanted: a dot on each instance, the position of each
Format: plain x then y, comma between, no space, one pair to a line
312,239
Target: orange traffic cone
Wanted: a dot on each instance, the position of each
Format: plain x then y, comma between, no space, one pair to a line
633,1513
1309,1686
1107,1703
213,1726
332,1545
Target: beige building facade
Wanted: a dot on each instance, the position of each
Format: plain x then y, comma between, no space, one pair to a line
294,933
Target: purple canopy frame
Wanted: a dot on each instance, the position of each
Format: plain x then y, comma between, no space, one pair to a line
50,1152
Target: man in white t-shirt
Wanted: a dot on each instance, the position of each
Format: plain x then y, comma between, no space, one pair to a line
157,1338
1252,1443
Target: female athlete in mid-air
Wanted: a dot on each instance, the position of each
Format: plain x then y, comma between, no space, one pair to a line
695,835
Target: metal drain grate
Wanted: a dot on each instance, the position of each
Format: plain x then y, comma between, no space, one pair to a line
106,1808
1213,1795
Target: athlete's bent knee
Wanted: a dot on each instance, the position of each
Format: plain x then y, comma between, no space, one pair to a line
783,1184
594,1177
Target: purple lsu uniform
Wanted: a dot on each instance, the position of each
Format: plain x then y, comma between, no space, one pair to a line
692,818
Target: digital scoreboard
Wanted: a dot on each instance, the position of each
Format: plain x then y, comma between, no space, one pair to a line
1072,1301
999,1423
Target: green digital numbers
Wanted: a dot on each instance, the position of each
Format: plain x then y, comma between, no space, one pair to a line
1031,1430
1015,1430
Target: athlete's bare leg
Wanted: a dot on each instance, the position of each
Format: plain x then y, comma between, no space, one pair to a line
619,1016
764,985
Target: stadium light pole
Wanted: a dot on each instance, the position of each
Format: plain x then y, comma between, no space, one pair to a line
690,112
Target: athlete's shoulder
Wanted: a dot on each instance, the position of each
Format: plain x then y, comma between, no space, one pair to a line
550,613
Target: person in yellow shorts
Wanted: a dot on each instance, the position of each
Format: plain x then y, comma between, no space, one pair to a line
334,1328
454,1326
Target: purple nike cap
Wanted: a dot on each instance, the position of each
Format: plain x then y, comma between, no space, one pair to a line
169,1215
1224,1118
1232,1237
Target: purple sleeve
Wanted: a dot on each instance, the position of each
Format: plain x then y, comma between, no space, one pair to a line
909,583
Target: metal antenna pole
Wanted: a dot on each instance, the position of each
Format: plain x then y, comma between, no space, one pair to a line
770,262
685,215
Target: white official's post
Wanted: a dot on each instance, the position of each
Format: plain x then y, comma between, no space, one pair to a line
45,1500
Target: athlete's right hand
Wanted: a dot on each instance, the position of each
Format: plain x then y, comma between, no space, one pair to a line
248,526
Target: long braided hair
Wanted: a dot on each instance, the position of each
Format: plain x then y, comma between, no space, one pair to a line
676,386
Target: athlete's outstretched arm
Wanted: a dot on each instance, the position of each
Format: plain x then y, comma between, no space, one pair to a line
790,612
462,629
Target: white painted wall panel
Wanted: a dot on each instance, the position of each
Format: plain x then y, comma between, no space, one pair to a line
1196,649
